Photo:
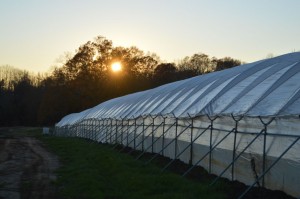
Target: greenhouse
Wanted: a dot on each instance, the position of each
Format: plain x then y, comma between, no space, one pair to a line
240,123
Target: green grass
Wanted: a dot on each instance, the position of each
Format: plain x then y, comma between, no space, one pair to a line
91,170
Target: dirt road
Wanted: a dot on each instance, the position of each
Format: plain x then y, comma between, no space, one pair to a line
26,168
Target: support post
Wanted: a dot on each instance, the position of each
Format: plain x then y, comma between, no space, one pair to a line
237,157
101,135
134,136
269,168
163,136
167,144
208,153
198,136
152,134
100,130
142,139
176,138
127,132
121,141
264,147
106,140
132,140
144,151
153,142
143,136
210,141
111,130
191,141
234,144
116,141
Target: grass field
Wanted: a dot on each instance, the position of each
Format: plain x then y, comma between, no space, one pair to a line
91,170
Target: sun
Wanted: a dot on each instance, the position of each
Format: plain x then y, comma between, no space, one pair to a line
116,66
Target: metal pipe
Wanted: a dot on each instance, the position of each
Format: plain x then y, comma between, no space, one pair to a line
264,147
191,142
163,136
165,167
131,141
176,141
167,145
268,169
237,157
152,143
207,153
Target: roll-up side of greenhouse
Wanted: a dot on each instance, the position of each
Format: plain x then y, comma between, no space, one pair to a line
241,123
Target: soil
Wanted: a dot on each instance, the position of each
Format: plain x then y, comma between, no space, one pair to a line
26,167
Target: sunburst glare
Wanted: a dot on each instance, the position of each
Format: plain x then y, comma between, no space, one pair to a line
116,66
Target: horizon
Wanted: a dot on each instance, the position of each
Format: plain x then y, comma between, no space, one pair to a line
36,34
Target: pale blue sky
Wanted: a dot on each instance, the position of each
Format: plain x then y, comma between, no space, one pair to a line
35,33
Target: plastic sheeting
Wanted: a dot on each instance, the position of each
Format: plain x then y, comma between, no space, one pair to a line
257,149
265,88
255,94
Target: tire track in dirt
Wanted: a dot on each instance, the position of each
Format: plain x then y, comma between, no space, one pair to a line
26,169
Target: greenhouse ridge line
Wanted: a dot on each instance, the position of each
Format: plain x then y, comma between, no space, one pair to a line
206,94
212,120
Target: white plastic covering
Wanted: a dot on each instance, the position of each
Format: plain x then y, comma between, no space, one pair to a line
263,91
269,87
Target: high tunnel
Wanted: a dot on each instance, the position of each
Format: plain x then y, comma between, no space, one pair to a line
241,123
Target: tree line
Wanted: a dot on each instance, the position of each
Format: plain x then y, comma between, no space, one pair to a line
86,79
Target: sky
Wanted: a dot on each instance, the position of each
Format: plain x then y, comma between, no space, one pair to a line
35,34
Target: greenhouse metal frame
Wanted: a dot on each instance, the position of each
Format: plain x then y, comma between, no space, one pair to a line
259,146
